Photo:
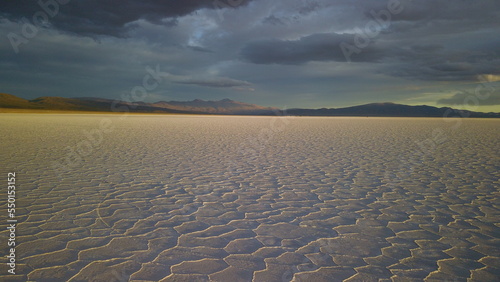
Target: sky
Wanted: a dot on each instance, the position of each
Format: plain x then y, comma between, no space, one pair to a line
280,53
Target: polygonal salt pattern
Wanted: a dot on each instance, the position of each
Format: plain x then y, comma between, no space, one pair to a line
211,198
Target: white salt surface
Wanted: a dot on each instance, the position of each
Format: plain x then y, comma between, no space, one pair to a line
210,198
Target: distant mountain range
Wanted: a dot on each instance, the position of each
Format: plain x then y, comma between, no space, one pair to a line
229,107
392,110
197,106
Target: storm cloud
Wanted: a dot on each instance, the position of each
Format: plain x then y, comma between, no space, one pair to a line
316,47
108,17
217,82
299,53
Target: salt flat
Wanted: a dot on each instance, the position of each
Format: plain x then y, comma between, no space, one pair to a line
213,198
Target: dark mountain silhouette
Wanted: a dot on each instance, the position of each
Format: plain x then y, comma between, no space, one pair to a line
391,110
224,106
229,107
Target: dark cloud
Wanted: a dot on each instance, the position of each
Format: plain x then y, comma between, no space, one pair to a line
431,62
108,17
273,20
429,48
453,67
316,47
309,7
199,49
219,82
485,96
436,63
479,11
428,73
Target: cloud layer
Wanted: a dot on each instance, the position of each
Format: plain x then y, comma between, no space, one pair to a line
468,98
310,53
108,17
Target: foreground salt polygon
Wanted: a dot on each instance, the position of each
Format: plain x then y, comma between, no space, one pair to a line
199,198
